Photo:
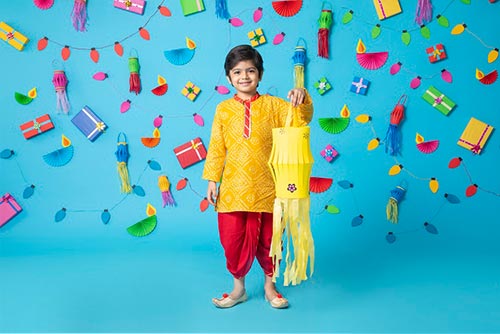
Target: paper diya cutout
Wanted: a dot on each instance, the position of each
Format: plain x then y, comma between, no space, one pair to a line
336,125
25,99
43,4
181,56
152,141
61,156
426,146
145,226
370,60
319,184
487,79
162,87
287,8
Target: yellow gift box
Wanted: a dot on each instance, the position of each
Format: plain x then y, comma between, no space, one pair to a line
191,91
475,135
14,38
257,37
386,8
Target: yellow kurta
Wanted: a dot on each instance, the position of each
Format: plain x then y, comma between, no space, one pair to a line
247,184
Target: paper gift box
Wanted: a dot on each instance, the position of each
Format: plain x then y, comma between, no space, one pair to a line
436,53
329,153
359,85
192,6
37,126
191,152
257,37
386,8
9,208
13,37
438,100
475,135
134,6
191,91
89,123
322,86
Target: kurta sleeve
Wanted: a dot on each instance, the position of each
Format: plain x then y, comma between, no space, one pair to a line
214,162
302,114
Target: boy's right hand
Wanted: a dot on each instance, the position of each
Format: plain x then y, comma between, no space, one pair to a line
212,192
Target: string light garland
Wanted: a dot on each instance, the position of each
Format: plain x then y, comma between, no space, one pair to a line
462,27
473,187
29,190
425,32
117,45
416,80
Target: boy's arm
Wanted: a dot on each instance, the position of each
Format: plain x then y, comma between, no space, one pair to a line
303,112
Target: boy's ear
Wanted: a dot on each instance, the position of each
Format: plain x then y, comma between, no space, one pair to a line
229,80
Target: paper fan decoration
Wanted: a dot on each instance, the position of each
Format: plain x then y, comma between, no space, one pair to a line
287,8
179,56
152,141
336,125
162,87
370,60
61,156
487,79
319,184
426,146
25,99
43,4
144,227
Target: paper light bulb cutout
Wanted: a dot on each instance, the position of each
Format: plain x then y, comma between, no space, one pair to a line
395,170
376,31
471,190
138,190
257,14
99,76
347,17
94,55
395,68
433,185
455,162
105,216
144,33
443,21
492,55
235,22
125,106
42,43
458,29
29,191
118,49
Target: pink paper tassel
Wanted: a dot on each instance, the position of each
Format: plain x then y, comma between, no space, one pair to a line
60,82
424,12
79,14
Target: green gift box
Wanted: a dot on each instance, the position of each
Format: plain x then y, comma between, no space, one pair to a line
192,6
438,100
322,85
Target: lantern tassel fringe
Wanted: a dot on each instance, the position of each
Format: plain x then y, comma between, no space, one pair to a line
60,82
124,177
291,222
325,22
391,209
424,12
164,185
134,80
221,9
79,15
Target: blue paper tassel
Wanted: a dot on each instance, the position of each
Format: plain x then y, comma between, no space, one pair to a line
221,9
392,140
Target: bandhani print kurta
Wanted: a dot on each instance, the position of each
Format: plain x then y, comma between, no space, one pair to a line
240,164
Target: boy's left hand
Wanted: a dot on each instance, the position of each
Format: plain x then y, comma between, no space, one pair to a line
296,96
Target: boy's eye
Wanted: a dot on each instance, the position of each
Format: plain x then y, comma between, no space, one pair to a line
236,72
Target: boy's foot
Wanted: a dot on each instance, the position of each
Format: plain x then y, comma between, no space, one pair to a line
275,299
227,301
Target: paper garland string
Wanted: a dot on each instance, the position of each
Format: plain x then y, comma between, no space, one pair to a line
117,45
183,183
415,82
460,28
11,154
473,187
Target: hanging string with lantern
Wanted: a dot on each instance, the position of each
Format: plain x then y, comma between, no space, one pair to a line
299,60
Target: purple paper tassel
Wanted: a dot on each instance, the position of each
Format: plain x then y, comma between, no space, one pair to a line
392,140
221,9
60,82
167,198
79,15
424,12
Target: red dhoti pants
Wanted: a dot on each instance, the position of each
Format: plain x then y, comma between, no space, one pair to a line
244,237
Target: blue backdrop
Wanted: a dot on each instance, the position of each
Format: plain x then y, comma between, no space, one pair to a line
57,275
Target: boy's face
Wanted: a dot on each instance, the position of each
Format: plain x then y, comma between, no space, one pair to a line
245,78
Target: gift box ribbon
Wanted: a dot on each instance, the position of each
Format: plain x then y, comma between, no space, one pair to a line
475,148
194,146
438,100
381,5
198,4
37,125
99,126
129,4
359,85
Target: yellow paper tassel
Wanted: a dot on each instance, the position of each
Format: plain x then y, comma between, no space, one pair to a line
123,172
392,211
298,76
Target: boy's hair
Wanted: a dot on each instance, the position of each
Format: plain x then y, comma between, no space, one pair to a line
242,53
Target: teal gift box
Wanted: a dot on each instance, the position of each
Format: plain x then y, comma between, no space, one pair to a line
192,6
438,100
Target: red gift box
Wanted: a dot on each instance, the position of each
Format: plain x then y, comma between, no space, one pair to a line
436,53
8,208
191,152
37,126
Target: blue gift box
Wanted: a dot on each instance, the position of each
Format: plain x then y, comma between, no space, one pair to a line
89,123
359,85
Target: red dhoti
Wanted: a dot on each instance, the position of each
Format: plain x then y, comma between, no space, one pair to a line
244,237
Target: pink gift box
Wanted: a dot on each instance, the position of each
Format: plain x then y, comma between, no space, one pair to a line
135,6
9,208
329,153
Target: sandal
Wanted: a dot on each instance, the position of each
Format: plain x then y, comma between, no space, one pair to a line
278,302
226,301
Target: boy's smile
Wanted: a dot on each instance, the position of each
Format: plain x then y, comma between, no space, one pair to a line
245,78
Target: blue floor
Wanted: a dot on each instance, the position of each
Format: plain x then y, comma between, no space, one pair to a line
166,286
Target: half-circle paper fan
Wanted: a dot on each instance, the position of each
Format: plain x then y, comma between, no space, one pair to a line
334,125
160,90
22,99
43,4
373,60
287,8
59,157
143,228
489,78
179,56
428,146
319,184
150,141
